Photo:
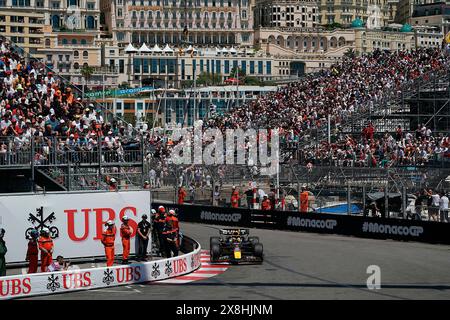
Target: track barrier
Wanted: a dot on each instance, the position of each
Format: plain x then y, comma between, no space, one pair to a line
357,226
95,278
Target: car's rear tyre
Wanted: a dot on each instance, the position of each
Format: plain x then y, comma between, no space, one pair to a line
253,240
215,252
259,250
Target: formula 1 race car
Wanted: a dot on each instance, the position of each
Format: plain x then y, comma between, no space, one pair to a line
235,245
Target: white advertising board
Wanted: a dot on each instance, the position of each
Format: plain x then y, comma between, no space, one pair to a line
75,220
94,278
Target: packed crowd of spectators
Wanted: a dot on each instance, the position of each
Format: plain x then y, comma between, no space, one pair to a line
355,85
412,148
36,105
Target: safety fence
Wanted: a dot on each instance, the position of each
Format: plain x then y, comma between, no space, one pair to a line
29,285
357,226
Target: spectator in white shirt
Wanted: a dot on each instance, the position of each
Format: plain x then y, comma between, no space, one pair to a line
443,208
434,210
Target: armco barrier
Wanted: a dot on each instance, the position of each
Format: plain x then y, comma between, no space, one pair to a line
85,279
364,227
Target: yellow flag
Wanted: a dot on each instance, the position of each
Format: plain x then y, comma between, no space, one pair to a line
447,37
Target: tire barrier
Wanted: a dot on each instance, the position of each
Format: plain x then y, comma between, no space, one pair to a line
357,226
95,278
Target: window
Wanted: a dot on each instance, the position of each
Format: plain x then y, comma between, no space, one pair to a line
269,67
260,67
244,66
252,67
154,65
162,66
21,3
145,65
218,66
76,54
137,66
226,66
121,66
172,64
85,55
183,69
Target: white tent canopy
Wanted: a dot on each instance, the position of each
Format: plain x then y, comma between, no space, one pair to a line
144,48
156,48
167,49
130,49
191,48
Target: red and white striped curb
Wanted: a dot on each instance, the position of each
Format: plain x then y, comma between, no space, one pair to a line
207,270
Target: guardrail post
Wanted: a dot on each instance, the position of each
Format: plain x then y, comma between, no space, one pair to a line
349,199
386,201
404,202
32,164
99,155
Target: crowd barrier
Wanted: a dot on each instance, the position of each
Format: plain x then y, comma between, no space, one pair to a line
95,278
357,226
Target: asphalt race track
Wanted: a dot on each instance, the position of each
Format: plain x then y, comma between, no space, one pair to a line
307,266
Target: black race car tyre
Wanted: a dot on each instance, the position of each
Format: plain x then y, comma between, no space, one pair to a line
215,252
214,240
259,250
253,240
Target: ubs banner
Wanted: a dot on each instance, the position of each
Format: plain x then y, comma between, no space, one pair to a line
365,227
75,220
84,279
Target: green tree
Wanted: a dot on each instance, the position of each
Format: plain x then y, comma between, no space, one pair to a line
252,81
234,74
208,79
350,53
86,73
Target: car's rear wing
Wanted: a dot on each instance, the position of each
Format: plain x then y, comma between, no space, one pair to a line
234,232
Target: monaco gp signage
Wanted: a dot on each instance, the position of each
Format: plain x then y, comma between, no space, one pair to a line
75,220
94,278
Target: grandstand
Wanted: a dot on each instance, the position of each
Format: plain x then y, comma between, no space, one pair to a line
54,139
371,123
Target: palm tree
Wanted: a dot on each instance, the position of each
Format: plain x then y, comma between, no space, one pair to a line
350,53
86,72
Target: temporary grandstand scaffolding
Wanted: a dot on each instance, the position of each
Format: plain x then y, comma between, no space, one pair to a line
425,100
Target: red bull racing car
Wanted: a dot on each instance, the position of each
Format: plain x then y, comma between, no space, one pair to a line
235,246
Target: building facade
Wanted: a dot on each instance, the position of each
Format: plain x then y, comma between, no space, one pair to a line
436,15
61,32
200,22
374,13
172,68
320,48
23,24
287,13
